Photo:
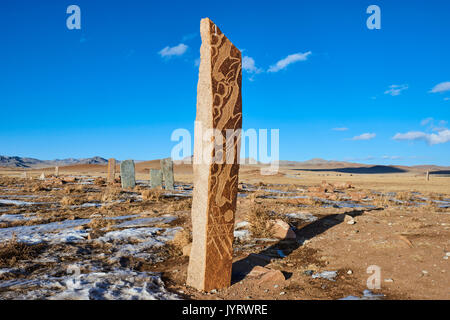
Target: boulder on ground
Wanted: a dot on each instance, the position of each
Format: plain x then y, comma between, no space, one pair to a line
281,230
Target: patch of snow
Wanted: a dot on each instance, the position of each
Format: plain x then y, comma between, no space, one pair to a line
15,217
16,202
146,222
329,275
46,232
367,295
242,224
308,217
113,285
242,234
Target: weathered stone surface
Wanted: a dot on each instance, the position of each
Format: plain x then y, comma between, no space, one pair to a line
127,174
42,176
187,250
219,106
155,178
56,171
167,172
111,170
281,230
271,278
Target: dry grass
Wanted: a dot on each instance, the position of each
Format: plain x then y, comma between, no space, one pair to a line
68,201
310,201
259,219
182,205
381,201
152,195
13,251
404,196
111,194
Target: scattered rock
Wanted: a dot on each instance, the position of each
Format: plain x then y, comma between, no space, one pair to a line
68,179
187,250
258,271
349,220
282,230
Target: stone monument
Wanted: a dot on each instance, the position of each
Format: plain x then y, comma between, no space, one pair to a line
127,174
111,170
219,106
155,178
167,172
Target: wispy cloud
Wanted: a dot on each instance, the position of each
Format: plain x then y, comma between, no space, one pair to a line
396,89
441,87
392,157
340,129
430,138
290,59
426,121
248,64
189,36
178,50
365,136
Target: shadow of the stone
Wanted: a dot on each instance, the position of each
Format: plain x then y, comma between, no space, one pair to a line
242,268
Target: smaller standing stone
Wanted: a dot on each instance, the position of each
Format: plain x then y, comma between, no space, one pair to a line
127,174
42,177
155,178
167,172
428,176
56,171
24,175
111,170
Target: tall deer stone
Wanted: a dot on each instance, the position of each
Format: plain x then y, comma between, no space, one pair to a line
219,108
111,170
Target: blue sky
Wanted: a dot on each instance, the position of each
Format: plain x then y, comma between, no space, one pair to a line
119,86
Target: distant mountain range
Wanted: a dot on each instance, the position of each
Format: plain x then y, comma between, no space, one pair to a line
316,164
19,162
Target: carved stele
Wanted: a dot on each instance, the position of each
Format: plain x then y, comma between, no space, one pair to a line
167,172
127,174
155,178
111,170
56,171
219,106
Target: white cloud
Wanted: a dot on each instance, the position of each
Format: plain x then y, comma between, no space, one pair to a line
392,157
396,89
283,63
441,87
365,136
189,36
340,129
178,50
248,64
442,136
426,121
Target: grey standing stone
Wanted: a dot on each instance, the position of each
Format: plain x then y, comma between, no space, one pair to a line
155,178
127,174
167,172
